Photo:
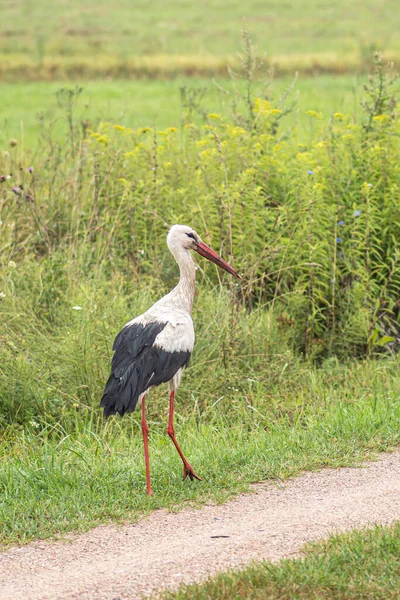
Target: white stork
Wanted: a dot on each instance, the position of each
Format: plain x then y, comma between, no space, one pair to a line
155,347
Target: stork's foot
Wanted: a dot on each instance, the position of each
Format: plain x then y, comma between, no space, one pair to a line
188,472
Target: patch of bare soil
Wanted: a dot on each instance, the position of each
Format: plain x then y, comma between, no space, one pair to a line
165,549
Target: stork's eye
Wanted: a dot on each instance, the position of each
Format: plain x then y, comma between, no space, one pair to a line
191,236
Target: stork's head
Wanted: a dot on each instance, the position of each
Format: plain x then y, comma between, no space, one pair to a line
182,236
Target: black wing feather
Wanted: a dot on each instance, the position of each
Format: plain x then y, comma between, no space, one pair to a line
136,365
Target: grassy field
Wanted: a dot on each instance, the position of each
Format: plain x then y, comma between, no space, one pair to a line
84,224
362,565
38,38
183,27
154,103
55,479
293,370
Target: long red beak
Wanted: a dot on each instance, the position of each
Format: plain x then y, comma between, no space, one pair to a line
209,253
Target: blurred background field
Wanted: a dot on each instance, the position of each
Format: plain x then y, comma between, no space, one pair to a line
132,58
118,120
187,28
175,36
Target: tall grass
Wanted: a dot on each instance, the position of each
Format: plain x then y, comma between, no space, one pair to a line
313,228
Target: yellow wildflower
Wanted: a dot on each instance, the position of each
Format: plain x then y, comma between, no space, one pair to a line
261,106
235,131
314,113
381,118
102,139
207,153
303,156
266,137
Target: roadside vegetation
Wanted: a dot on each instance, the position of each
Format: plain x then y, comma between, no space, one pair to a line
294,369
362,565
66,469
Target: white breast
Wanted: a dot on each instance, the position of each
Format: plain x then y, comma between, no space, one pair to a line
177,336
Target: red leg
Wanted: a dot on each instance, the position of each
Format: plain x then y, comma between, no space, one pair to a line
187,468
145,432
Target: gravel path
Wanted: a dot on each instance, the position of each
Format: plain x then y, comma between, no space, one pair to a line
164,549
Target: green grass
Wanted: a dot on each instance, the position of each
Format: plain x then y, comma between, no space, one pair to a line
87,228
309,214
29,109
63,479
362,565
46,41
44,29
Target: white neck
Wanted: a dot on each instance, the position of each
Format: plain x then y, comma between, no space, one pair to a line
184,291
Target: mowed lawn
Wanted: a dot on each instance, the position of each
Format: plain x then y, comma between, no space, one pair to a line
46,29
27,109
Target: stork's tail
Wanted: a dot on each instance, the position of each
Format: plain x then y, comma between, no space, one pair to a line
121,394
